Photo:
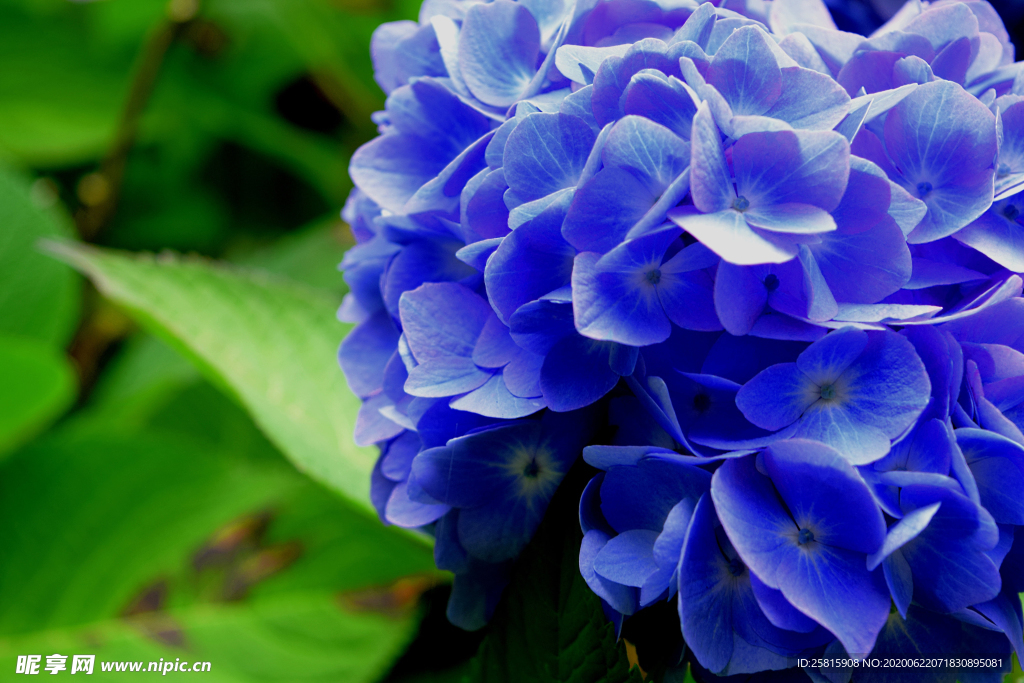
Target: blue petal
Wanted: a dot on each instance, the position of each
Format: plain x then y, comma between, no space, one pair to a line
951,569
371,426
750,510
824,361
449,475
864,267
533,260
380,490
825,494
628,558
890,384
997,237
500,529
616,297
777,396
901,533
443,320
485,213
477,253
662,100
498,48
900,580
432,127
779,610
809,100
402,50
997,464
727,234
445,377
744,70
710,184
522,374
740,297
576,373
494,399
705,612
365,352
605,208
475,594
396,461
791,218
806,167
546,153
615,73
835,426
686,289
833,587
621,598
642,496
405,512
441,195
422,260
539,325
944,142
571,60
652,152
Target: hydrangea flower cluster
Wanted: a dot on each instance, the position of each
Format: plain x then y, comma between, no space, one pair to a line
781,261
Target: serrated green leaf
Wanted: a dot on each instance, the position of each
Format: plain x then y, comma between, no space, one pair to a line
39,297
38,385
270,342
549,626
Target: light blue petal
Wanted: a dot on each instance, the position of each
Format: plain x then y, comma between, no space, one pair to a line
798,219
901,533
727,234
546,153
620,306
649,150
744,70
710,184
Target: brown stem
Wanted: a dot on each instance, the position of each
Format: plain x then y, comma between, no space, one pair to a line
103,186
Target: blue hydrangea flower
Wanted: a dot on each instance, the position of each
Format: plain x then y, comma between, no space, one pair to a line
762,272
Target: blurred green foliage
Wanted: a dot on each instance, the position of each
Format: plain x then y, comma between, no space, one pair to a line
150,503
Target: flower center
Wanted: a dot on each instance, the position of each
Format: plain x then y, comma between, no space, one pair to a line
1003,170
654,276
805,537
741,203
923,189
532,469
828,392
701,402
736,567
1011,212
771,282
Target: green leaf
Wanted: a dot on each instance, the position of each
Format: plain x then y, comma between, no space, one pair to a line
268,341
549,626
93,521
137,382
59,100
303,638
38,386
39,297
310,256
